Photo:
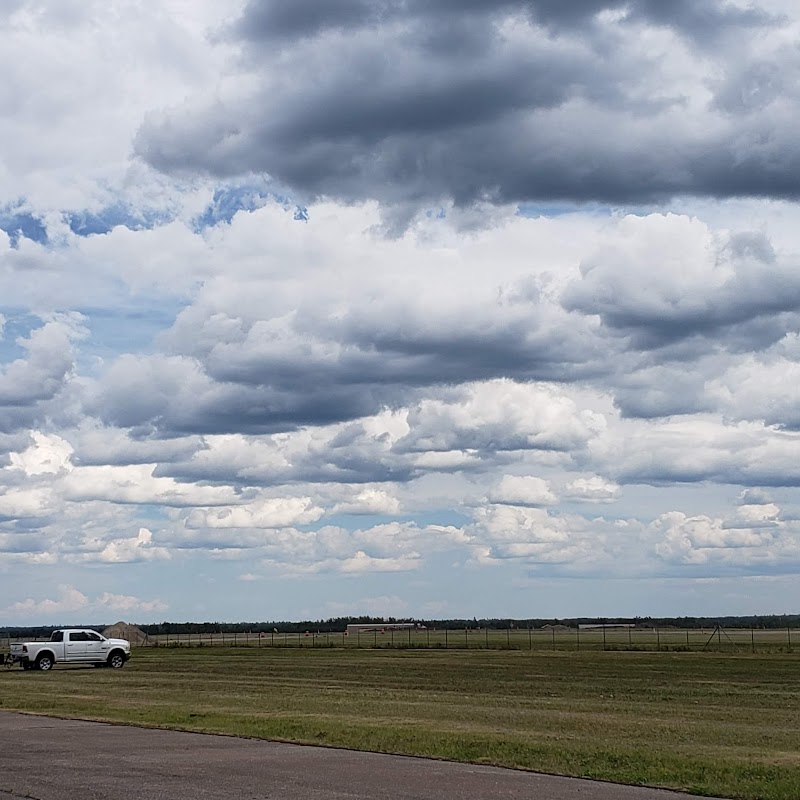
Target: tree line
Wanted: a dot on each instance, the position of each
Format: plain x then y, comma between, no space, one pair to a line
338,624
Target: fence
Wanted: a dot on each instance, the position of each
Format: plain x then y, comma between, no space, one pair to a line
729,640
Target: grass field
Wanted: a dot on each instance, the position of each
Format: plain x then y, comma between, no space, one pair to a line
718,724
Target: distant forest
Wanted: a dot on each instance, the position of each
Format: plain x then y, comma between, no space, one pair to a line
772,621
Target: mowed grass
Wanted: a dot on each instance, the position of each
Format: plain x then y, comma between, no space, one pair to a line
724,725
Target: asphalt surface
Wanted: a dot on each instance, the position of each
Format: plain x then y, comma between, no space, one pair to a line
53,759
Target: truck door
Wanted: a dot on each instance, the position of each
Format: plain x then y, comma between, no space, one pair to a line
95,650
75,649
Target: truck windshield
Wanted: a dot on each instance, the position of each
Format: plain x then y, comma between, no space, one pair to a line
57,636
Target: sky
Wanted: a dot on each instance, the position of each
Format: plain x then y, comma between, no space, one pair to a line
416,309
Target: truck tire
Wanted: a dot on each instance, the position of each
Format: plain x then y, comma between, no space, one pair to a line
116,660
45,662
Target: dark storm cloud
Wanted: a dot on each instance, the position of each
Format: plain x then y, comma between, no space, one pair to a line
275,21
700,21
508,102
398,346
319,370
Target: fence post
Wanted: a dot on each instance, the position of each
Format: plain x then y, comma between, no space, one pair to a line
530,639
752,641
508,636
554,638
687,639
604,638
486,635
466,639
445,639
658,640
630,646
578,635
428,636
409,637
789,637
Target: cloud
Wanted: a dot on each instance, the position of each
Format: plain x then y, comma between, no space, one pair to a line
699,448
419,103
387,547
27,383
128,604
704,540
125,551
137,484
523,490
533,536
698,287
280,512
594,489
48,455
500,415
52,52
71,600
369,501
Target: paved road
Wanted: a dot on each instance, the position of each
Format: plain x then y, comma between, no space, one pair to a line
53,759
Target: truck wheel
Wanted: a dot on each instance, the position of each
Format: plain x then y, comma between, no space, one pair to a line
44,663
116,661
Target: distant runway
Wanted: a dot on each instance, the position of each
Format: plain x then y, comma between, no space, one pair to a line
53,759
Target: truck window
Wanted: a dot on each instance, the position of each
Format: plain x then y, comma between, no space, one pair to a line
77,636
91,636
57,636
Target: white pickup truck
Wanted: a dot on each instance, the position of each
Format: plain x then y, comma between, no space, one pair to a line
72,646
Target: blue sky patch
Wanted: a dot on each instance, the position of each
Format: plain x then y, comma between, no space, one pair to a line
22,224
89,223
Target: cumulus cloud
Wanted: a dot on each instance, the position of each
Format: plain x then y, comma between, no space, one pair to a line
280,512
704,540
71,601
28,382
699,448
138,548
422,102
501,415
594,489
388,547
128,604
694,286
523,490
534,537
51,51
369,501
